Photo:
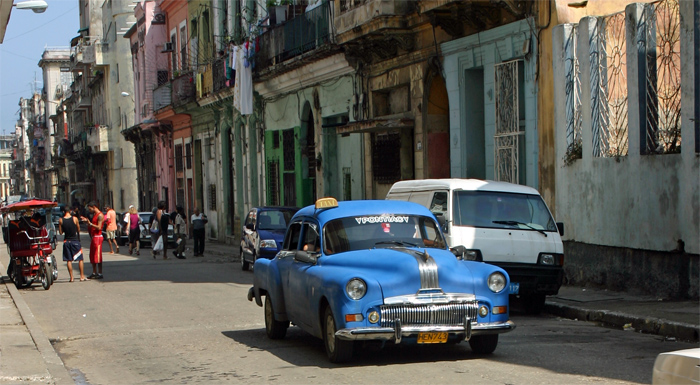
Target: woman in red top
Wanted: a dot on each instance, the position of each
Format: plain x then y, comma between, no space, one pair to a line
95,231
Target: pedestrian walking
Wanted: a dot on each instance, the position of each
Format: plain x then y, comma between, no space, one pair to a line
111,228
95,231
198,221
180,225
133,229
69,227
163,219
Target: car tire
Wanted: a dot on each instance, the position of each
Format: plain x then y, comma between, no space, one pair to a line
244,264
337,350
276,330
485,344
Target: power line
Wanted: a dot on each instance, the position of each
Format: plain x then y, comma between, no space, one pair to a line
44,25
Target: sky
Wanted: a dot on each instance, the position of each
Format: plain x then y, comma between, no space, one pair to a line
27,35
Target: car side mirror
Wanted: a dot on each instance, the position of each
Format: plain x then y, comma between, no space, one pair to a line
459,251
305,257
560,227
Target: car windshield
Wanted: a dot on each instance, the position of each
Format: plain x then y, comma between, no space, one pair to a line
145,218
502,210
274,219
388,230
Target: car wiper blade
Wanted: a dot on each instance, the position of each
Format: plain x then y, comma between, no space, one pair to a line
515,223
397,243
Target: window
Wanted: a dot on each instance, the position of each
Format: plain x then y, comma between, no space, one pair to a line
312,242
188,155
116,73
386,160
178,157
291,240
212,197
173,55
212,148
183,46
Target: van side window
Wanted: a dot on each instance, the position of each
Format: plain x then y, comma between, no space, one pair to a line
438,205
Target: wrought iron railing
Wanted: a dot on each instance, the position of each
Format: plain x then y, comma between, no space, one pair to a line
609,87
574,118
183,89
663,72
295,37
219,70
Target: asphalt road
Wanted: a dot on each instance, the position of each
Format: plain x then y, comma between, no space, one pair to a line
188,321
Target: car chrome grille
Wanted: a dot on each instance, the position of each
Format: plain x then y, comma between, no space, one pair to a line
428,314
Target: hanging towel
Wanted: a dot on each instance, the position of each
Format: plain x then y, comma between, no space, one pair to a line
243,87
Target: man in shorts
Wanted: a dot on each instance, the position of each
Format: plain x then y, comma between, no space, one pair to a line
69,226
111,228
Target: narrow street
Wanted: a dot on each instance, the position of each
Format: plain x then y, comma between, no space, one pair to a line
188,321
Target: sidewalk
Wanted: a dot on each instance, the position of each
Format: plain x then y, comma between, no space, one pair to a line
27,356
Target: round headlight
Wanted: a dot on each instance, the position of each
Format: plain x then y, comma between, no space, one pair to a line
356,288
497,282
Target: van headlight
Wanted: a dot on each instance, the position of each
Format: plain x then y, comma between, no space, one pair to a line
497,282
356,288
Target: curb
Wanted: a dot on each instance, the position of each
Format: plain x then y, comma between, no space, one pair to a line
650,325
58,372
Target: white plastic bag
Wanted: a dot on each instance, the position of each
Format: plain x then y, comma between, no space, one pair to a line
159,244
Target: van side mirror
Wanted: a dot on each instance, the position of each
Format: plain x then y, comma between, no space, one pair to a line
560,227
442,221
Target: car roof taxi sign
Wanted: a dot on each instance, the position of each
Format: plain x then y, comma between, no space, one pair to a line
326,203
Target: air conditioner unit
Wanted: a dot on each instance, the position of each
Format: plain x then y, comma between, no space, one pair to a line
168,47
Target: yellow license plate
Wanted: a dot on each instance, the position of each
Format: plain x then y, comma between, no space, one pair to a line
432,338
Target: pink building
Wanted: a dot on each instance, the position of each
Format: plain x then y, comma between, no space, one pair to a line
152,138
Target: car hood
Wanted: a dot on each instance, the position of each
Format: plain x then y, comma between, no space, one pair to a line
402,271
277,235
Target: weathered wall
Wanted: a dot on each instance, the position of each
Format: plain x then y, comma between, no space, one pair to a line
667,275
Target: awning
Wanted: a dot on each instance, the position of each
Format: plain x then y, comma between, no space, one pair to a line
29,204
374,125
74,41
83,29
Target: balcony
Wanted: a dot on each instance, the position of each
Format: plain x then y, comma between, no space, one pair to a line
183,90
98,139
162,96
295,37
219,75
365,17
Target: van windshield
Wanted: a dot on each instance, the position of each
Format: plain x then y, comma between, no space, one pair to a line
502,210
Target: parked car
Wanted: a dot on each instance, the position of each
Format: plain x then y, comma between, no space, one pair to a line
263,232
504,224
378,271
145,238
677,367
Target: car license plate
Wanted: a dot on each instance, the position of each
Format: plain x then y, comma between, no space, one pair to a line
514,288
432,338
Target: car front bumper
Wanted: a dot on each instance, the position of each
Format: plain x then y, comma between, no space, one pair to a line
397,333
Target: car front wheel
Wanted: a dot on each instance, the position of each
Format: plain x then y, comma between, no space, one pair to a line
337,350
276,330
484,344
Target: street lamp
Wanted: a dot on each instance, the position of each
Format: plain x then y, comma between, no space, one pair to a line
38,6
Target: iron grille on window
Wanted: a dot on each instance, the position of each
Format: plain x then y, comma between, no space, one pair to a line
178,157
188,155
274,182
386,159
162,77
212,197
288,150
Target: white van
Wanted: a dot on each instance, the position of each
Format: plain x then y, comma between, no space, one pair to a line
504,224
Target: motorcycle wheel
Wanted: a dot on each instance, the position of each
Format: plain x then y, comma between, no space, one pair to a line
54,268
18,277
46,279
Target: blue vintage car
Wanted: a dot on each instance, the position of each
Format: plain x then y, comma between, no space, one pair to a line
378,270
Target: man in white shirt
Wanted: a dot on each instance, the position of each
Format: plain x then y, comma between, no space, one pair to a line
198,221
